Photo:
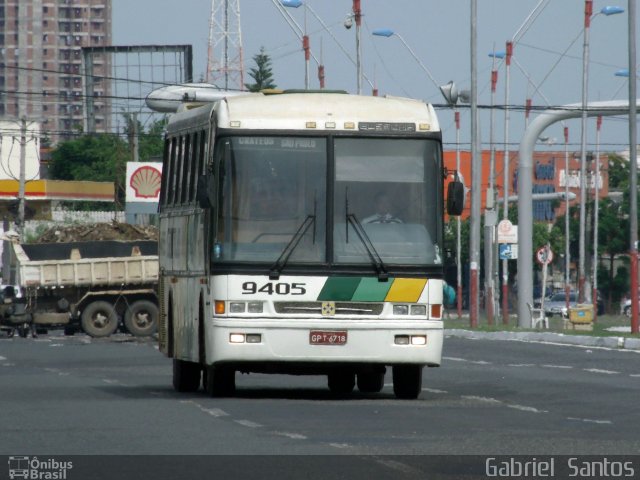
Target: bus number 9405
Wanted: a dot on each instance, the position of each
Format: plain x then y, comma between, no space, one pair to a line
270,288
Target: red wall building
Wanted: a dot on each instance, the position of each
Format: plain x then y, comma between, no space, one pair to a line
548,176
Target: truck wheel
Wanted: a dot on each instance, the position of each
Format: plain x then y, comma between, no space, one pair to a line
219,381
186,376
141,318
99,319
407,381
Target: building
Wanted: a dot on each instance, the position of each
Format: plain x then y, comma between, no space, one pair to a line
41,71
549,176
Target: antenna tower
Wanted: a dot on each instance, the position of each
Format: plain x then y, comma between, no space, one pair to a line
225,67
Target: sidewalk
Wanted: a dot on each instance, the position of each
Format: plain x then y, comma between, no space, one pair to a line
621,343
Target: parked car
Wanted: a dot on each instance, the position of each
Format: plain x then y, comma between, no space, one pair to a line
556,304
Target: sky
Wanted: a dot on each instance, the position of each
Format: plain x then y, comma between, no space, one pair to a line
547,64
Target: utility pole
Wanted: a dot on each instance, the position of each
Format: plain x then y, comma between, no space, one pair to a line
633,162
588,11
476,177
22,178
357,16
505,181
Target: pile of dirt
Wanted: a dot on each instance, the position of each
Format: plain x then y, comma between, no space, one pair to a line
91,232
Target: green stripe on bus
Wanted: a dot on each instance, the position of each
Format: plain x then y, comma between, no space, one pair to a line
371,290
339,288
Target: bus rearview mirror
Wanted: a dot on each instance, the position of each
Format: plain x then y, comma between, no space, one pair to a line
455,198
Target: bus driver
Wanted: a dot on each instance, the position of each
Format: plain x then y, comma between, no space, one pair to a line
383,207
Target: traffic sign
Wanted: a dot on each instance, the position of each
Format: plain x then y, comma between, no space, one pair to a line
508,251
544,255
507,232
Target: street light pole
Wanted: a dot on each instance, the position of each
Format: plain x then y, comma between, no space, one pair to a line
596,193
490,214
633,162
456,114
588,11
505,180
567,253
387,32
357,16
476,175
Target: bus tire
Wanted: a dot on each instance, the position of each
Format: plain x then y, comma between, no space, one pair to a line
141,318
186,376
99,319
370,382
219,381
407,381
341,383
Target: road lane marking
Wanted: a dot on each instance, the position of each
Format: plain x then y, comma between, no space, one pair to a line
525,408
214,412
590,420
294,436
248,423
481,399
398,466
458,359
521,365
2,358
339,445
564,367
599,370
434,390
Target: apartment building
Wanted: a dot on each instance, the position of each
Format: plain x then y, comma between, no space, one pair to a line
42,76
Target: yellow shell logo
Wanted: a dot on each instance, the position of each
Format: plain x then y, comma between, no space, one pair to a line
145,181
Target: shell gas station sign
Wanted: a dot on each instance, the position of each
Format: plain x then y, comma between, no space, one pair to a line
143,182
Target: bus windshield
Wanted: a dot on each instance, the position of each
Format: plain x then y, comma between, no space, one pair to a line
392,188
269,187
272,198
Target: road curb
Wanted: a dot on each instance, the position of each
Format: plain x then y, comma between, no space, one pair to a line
621,343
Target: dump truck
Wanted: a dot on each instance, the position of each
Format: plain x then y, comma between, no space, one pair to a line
97,287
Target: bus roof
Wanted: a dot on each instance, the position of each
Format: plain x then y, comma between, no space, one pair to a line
326,111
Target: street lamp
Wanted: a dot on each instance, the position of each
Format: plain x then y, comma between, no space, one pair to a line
588,16
300,32
387,32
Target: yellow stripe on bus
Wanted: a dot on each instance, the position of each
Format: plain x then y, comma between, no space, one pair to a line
406,290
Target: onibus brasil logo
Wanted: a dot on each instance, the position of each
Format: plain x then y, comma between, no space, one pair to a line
36,469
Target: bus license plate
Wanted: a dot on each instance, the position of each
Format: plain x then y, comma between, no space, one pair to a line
319,337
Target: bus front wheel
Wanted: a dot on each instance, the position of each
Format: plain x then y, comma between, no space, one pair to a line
407,381
219,381
341,383
186,376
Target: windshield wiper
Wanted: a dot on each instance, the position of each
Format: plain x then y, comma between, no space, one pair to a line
377,262
276,268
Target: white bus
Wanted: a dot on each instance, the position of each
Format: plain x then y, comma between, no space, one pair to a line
302,233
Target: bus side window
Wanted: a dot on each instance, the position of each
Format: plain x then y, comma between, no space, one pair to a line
171,173
184,168
196,164
165,172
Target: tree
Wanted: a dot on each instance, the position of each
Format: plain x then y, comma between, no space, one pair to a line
98,158
261,73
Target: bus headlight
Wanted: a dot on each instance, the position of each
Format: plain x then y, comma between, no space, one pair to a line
237,307
420,310
401,309
255,307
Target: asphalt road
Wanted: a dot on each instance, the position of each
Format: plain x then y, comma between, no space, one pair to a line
81,396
